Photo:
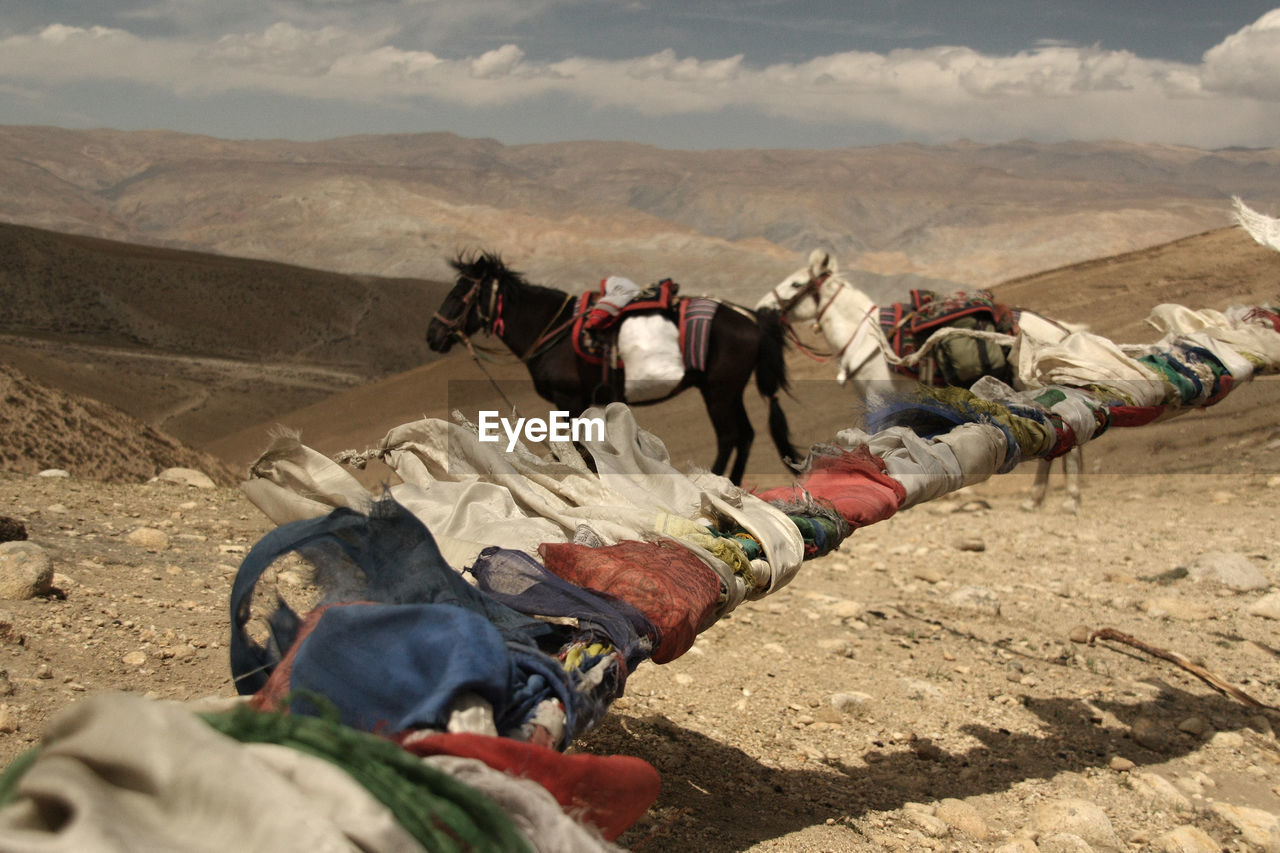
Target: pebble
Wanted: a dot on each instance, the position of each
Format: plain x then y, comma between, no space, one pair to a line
1234,571
1195,726
134,659
846,609
1268,607
1063,842
972,543
25,570
928,824
1185,839
1120,764
975,598
928,574
1159,789
964,818
54,473
149,538
1227,740
1150,733
1168,607
8,721
1075,817
1018,845
1080,634
850,703
185,477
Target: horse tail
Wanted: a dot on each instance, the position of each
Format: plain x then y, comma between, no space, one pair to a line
771,378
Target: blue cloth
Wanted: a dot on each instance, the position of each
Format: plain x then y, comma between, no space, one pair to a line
387,556
522,583
394,667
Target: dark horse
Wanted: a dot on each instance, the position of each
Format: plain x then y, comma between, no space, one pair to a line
534,322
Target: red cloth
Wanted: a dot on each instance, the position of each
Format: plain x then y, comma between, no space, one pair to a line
675,590
854,482
1132,416
609,791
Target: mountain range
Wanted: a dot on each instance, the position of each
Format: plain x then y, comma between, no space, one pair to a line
727,222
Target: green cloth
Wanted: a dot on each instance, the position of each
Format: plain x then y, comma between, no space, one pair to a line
442,813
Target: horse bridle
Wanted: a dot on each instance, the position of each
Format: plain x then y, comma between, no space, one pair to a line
813,287
490,319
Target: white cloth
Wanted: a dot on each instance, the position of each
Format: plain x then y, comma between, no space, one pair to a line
472,494
120,772
1082,359
649,346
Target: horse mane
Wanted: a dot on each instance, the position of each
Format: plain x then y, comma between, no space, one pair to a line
481,265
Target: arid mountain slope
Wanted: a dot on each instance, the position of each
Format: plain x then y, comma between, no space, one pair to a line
569,213
43,427
1113,295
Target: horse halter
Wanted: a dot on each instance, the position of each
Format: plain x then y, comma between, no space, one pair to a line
813,287
490,318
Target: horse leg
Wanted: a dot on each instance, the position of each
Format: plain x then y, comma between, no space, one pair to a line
1039,485
1072,467
733,432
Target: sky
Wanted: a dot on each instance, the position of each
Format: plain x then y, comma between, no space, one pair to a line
673,73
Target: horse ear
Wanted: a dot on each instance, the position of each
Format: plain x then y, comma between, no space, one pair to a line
821,261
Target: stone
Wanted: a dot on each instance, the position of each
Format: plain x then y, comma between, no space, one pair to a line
1194,726
8,720
1063,842
975,598
1232,570
963,818
54,473
1160,790
971,543
1268,607
1227,740
149,538
1075,817
927,823
1150,733
846,609
1080,634
1120,764
1018,845
25,570
1169,607
1185,839
186,477
134,659
850,703
1258,828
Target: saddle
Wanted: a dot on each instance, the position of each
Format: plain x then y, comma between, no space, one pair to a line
595,346
959,360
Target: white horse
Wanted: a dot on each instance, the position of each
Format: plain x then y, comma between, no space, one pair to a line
849,321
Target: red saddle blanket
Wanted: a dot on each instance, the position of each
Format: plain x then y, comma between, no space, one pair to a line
908,325
592,344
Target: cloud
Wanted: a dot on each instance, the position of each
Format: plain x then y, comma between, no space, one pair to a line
1054,90
1247,63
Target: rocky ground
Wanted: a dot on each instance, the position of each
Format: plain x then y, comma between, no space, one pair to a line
925,688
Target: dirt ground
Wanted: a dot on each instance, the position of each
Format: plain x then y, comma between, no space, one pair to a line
851,710
927,687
